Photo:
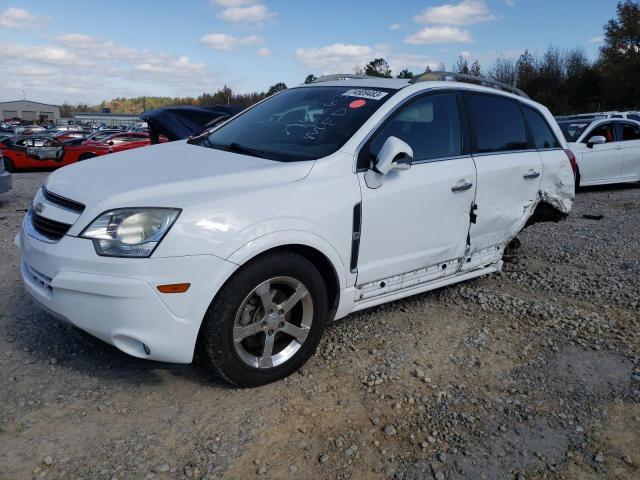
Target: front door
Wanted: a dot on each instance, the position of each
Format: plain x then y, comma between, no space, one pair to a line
602,162
419,217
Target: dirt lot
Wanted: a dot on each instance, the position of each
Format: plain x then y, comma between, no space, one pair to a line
531,373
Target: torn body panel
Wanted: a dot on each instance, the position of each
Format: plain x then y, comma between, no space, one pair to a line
557,189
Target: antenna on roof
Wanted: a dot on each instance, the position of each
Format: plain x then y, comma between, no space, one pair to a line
461,77
24,95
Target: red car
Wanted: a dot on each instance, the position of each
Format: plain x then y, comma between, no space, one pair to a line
40,151
124,141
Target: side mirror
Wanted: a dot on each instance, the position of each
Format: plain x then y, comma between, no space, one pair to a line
596,140
395,154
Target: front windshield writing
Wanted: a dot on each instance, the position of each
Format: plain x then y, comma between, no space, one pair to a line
298,124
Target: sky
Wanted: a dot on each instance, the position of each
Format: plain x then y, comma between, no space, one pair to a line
86,51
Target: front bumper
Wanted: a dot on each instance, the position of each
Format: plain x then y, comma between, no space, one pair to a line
5,181
116,299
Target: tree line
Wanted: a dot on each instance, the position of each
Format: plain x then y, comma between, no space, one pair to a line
565,80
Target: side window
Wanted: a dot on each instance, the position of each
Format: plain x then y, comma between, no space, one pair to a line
605,131
633,116
628,131
430,125
498,124
543,136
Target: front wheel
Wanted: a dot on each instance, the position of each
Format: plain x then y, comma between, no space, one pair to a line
267,320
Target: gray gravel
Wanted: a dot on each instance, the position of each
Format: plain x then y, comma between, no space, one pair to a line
530,373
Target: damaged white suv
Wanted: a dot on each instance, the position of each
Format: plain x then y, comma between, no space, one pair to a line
322,200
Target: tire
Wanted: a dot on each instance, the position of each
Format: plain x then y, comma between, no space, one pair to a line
8,165
275,281
86,156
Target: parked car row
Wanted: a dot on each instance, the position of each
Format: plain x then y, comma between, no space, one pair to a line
32,146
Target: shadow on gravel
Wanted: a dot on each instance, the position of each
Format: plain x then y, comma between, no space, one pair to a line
614,187
44,339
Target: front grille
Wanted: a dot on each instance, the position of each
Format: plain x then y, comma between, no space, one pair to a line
49,228
62,201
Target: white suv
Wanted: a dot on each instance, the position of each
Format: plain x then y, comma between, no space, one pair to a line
245,241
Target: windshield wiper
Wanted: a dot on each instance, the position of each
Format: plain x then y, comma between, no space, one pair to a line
236,147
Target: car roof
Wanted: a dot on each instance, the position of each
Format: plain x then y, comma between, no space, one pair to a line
400,83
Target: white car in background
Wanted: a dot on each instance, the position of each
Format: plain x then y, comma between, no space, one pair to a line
245,241
607,150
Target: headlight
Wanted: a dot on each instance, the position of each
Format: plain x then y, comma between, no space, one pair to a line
130,232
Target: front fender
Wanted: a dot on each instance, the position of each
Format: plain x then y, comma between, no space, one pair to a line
282,238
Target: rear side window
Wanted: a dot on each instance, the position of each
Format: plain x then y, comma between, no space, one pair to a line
541,132
430,125
498,124
628,131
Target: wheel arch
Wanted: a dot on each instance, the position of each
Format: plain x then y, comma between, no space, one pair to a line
326,261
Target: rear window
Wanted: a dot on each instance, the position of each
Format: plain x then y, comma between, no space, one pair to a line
628,131
543,136
498,124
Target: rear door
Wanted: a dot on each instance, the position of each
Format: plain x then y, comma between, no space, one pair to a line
628,134
603,162
509,172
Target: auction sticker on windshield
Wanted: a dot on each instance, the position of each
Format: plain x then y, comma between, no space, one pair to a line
365,93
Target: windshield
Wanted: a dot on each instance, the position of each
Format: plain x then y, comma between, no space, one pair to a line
298,124
573,129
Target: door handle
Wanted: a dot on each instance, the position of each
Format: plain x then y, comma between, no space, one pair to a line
461,187
619,147
531,174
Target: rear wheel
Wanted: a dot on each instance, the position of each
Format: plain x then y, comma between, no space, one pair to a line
266,321
8,165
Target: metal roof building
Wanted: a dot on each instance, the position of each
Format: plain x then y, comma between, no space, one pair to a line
30,111
108,119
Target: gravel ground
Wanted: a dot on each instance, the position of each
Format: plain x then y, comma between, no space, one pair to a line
530,373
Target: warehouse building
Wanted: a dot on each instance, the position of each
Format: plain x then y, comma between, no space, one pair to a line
107,119
29,111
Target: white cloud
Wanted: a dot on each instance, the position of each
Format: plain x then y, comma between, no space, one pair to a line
223,41
394,26
20,18
596,40
264,52
339,57
255,13
466,12
510,3
82,68
443,34
414,62
232,3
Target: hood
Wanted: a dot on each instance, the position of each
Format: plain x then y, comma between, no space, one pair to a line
174,174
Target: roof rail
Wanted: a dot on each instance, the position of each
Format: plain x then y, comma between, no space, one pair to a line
462,77
342,76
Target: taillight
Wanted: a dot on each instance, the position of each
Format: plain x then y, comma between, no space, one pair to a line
572,161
